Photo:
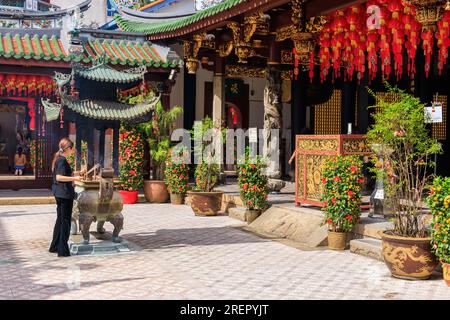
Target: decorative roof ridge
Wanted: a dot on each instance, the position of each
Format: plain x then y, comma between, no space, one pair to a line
152,28
48,14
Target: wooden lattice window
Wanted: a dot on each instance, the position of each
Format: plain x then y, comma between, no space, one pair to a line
389,97
439,130
327,116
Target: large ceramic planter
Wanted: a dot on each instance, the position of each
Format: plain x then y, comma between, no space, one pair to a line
205,203
446,272
337,240
129,197
177,198
408,258
155,191
252,215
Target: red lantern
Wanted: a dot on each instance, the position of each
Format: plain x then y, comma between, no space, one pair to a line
443,40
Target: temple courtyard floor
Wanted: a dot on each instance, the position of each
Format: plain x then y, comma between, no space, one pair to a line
176,255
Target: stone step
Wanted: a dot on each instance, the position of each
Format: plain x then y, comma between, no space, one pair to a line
237,213
368,247
372,227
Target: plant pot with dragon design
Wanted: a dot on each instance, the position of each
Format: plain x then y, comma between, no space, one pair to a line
408,258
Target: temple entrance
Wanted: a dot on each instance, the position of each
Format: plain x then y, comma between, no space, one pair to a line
16,138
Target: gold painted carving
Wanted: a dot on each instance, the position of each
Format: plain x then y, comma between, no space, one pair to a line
314,186
233,71
287,57
225,49
319,144
287,75
285,32
356,146
428,12
242,36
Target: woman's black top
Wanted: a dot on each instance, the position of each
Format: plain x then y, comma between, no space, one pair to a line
62,190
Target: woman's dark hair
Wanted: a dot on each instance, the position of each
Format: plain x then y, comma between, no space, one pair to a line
19,151
64,143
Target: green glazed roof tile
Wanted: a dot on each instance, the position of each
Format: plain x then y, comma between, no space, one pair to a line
154,28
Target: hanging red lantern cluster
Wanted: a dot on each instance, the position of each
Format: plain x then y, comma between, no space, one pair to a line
26,85
443,40
382,29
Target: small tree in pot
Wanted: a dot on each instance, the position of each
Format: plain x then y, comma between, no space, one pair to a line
342,180
176,175
405,145
439,203
159,131
253,186
208,137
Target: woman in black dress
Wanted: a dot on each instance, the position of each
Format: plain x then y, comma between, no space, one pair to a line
64,193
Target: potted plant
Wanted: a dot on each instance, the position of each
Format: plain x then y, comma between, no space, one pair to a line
158,132
131,159
439,203
342,180
404,143
203,199
252,184
176,176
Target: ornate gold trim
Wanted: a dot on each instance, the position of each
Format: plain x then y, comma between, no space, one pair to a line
238,71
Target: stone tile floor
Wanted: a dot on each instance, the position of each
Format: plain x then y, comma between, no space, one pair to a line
176,255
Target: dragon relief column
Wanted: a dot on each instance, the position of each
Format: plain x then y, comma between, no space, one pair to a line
218,90
273,121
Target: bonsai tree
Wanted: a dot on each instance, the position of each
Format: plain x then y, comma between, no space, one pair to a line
131,158
176,172
253,183
439,203
342,180
158,132
208,170
402,140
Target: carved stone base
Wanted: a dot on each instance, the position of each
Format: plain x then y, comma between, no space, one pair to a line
275,185
99,248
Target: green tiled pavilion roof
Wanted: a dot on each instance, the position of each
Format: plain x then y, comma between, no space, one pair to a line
32,47
124,52
103,73
117,52
102,110
153,28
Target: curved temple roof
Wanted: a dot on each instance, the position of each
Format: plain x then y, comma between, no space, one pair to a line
153,28
101,110
37,15
103,73
37,47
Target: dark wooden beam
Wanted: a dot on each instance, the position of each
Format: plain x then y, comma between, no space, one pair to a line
219,20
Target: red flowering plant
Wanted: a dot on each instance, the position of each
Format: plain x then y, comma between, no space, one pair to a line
439,203
176,173
252,182
342,180
131,158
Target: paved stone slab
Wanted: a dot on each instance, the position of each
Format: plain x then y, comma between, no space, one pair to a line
177,255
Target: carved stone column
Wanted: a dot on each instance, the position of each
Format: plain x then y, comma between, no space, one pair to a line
273,126
218,90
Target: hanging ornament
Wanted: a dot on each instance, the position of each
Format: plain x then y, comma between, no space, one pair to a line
61,117
443,40
324,52
311,66
296,64
397,30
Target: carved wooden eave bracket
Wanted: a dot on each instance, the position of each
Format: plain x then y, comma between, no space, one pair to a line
429,12
192,49
242,36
